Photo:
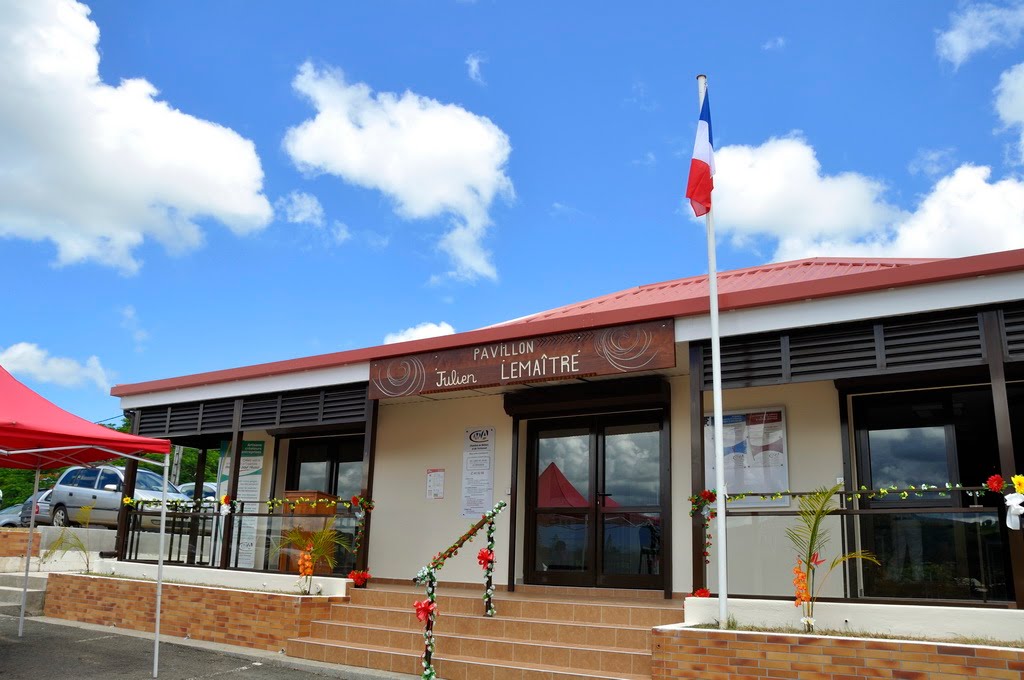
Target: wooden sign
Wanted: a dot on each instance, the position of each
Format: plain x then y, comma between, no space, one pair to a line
603,351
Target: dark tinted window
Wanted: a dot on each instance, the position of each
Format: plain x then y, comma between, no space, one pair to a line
87,478
109,477
70,476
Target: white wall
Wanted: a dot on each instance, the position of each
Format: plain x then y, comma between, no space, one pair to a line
407,530
760,557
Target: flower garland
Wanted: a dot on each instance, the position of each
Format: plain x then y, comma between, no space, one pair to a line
702,504
426,609
1014,500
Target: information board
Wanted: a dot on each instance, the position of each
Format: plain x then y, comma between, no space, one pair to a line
756,458
477,471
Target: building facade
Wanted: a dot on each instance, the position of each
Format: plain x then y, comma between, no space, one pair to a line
591,422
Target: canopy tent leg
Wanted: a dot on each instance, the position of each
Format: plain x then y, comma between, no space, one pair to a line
160,574
28,553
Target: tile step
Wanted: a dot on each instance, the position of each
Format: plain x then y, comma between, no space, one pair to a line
516,630
449,666
552,652
617,615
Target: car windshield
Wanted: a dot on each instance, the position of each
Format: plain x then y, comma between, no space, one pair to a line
148,481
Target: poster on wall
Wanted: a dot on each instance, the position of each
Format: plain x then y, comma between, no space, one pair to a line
435,484
755,456
477,471
250,480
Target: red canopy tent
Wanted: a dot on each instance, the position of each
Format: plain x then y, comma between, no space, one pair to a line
37,435
555,491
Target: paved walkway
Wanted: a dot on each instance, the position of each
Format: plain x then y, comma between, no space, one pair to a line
53,649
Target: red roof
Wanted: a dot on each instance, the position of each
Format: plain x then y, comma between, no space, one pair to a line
30,422
738,289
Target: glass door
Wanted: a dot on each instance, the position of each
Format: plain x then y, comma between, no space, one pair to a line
596,501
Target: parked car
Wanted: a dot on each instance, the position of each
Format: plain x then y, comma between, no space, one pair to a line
41,503
10,517
209,489
101,487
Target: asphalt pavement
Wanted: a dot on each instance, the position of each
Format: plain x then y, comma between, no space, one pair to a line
52,649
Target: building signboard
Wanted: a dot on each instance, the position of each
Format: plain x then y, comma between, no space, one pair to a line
591,352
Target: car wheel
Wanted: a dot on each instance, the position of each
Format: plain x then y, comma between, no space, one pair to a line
60,517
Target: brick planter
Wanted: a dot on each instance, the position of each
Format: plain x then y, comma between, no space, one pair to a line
236,617
685,652
14,541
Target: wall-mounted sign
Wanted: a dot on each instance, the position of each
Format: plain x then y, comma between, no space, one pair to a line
477,471
755,455
435,484
602,351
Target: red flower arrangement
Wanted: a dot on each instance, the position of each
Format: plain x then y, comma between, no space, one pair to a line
701,592
485,557
424,609
995,483
360,577
703,504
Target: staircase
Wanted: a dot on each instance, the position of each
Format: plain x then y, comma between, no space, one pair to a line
538,634
10,594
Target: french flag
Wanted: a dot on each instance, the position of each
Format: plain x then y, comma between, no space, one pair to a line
702,165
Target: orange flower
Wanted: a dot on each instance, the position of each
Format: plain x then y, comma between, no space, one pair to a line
800,584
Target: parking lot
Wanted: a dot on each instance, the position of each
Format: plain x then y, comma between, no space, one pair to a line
57,651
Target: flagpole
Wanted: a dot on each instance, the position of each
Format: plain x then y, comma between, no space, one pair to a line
716,390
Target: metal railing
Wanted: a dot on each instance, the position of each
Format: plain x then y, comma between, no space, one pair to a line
935,544
194,534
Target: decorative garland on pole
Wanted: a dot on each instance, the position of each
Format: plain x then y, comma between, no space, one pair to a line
426,609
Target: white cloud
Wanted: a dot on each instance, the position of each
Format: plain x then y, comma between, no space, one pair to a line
776,43
931,162
1010,102
340,232
564,210
473,63
433,159
778,190
640,99
648,159
98,169
29,359
979,27
427,329
302,208
130,322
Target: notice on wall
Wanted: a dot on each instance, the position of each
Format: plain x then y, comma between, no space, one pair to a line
755,456
435,484
477,471
250,481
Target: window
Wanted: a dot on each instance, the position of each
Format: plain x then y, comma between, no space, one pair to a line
108,477
87,478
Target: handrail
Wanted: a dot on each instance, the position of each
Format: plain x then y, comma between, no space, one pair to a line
427,576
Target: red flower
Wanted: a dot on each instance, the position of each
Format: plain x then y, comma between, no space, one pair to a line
359,577
708,496
355,501
816,561
996,483
424,609
702,592
485,557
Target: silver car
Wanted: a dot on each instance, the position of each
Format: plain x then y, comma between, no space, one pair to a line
40,503
100,487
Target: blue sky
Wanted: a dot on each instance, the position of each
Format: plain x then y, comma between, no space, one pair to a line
192,186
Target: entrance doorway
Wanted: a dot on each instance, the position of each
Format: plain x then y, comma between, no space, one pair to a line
597,495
